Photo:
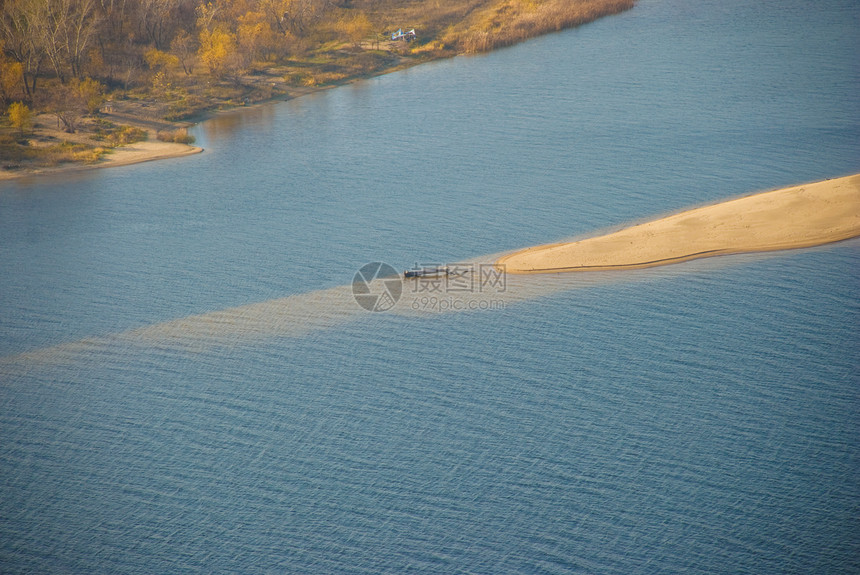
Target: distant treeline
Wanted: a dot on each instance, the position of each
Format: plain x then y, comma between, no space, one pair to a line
48,48
118,41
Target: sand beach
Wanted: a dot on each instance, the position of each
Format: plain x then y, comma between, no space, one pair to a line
145,151
795,217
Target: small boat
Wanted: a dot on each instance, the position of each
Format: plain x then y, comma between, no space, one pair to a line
426,272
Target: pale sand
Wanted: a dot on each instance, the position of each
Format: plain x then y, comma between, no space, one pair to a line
145,152
796,217
136,153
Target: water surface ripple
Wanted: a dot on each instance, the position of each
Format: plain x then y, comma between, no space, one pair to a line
187,384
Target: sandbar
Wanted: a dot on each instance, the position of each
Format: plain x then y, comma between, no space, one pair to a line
797,217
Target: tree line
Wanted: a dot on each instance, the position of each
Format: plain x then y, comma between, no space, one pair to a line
63,56
113,41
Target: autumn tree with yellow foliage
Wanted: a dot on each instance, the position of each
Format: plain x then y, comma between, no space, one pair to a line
20,117
228,49
217,50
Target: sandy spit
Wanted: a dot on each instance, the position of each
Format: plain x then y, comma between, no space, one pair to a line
795,217
122,156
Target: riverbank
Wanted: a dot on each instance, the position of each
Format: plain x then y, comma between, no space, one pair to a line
148,150
796,217
175,90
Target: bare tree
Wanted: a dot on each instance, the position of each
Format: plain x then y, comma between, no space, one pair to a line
81,28
300,15
184,47
21,39
67,104
114,17
61,30
48,20
154,17
276,11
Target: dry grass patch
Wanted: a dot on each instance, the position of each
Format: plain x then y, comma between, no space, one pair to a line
180,136
508,22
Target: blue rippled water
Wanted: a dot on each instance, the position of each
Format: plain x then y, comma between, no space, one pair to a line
187,385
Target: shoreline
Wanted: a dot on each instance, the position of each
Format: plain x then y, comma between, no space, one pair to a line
437,46
796,217
153,149
145,151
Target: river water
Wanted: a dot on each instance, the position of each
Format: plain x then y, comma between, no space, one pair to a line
188,384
